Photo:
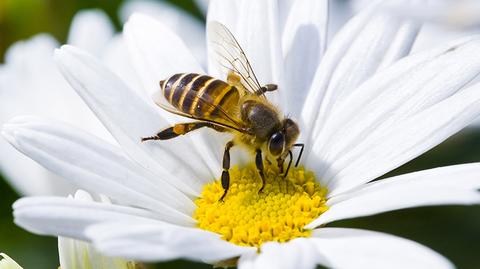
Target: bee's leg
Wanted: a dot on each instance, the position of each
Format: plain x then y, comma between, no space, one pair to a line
176,130
226,166
289,162
259,164
301,145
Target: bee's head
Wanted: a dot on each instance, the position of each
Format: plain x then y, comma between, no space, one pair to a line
282,140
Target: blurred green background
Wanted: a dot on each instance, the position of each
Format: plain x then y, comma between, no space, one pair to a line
453,231
20,19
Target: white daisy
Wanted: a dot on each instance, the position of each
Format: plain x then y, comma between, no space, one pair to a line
364,109
30,83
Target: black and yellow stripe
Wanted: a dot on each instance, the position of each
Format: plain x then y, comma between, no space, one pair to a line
200,95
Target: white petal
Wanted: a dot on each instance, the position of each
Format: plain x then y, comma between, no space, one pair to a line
458,184
298,253
187,27
26,176
353,248
38,47
90,30
116,59
155,242
426,90
22,59
262,45
31,84
8,263
339,13
78,254
247,261
128,117
368,42
262,50
96,165
75,254
158,53
433,34
304,41
227,13
60,216
456,14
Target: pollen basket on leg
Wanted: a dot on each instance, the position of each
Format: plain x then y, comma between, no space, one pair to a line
249,218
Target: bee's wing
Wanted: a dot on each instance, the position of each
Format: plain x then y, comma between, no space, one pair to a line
230,56
223,119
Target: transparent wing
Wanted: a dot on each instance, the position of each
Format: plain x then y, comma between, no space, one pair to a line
230,57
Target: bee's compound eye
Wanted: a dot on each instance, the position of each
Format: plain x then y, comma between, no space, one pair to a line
276,144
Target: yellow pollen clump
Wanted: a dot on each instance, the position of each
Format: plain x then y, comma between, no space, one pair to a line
249,218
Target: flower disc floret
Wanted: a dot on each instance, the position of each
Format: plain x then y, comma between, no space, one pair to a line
248,217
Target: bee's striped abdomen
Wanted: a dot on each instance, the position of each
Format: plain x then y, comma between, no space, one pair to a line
199,95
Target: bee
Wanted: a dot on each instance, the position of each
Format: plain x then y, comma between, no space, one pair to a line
237,106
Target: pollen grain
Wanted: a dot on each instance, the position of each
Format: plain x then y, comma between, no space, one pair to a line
249,218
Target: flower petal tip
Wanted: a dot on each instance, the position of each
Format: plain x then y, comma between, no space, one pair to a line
138,16
57,52
135,18
65,50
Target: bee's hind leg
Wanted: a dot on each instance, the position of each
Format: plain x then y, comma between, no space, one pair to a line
259,164
226,165
176,130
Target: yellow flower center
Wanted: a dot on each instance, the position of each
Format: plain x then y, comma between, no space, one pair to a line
249,218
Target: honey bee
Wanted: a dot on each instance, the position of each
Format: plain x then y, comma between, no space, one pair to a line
238,106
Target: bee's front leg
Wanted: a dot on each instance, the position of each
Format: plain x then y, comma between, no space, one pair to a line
226,165
259,164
